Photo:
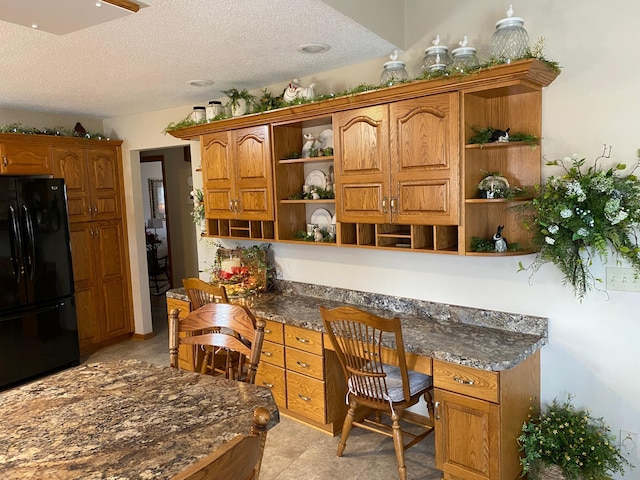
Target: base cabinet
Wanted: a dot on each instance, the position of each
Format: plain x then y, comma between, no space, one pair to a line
479,415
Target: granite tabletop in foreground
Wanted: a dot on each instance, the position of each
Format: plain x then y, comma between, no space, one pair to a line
121,420
483,339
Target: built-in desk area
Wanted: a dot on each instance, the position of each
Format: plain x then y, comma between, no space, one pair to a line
485,364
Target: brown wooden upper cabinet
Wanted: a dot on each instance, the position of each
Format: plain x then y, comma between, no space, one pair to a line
237,174
398,163
24,158
92,177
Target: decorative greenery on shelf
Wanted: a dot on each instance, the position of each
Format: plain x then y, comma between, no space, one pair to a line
322,193
55,131
269,102
484,135
569,437
236,95
582,214
326,236
482,245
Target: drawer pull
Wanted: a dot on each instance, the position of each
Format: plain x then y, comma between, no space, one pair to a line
267,384
463,381
302,364
436,410
302,397
267,354
267,330
302,340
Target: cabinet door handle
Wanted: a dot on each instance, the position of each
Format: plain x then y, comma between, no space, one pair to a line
231,205
394,205
267,330
436,410
267,384
302,397
5,162
236,205
384,205
302,340
267,354
463,381
302,364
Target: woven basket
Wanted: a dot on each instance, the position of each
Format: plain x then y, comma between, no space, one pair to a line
549,472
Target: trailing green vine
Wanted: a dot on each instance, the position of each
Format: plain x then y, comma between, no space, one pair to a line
55,131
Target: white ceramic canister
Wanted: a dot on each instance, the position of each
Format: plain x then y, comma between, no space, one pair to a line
198,114
213,109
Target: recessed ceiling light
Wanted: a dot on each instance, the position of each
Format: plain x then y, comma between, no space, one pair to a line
98,4
34,25
200,83
313,48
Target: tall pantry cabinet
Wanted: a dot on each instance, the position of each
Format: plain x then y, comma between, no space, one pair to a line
99,249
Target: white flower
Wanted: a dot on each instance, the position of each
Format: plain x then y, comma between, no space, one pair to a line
583,232
550,240
566,213
553,229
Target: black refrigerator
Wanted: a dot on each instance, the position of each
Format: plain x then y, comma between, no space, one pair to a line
38,325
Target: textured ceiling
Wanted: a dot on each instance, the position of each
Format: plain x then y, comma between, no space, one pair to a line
143,61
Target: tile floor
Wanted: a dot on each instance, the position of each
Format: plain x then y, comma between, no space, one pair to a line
293,450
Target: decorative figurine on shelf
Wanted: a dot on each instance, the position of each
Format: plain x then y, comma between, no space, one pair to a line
317,234
296,90
79,130
500,135
309,145
500,242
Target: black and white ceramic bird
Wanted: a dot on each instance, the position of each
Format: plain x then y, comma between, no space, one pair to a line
79,130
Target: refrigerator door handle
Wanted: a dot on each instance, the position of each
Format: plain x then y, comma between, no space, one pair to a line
31,241
16,245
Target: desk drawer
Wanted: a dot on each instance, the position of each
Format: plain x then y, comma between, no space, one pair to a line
274,331
274,378
272,353
303,339
481,384
305,363
305,396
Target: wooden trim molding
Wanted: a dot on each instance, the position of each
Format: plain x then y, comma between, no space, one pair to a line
126,4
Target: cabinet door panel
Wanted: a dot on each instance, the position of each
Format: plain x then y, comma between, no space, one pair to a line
361,149
253,177
425,158
467,438
71,164
86,289
305,395
22,158
104,178
114,290
217,175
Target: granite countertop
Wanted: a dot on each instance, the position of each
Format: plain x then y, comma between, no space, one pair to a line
121,420
483,339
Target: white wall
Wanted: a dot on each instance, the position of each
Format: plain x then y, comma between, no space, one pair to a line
593,346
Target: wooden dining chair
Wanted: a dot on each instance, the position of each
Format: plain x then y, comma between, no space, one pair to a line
200,292
357,338
239,459
239,332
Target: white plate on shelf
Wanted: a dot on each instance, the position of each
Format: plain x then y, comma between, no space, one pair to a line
321,217
333,220
316,178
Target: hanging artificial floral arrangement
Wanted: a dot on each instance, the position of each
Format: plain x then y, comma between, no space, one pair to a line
197,214
586,213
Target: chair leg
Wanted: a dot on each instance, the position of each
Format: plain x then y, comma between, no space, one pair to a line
398,443
346,427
